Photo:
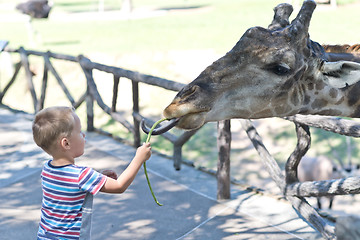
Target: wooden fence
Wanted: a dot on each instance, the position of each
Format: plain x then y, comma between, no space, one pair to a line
91,93
293,190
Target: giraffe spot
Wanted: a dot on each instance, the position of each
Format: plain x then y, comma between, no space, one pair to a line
263,113
356,113
353,95
310,86
303,110
320,86
319,103
244,112
330,112
333,93
282,95
307,99
307,52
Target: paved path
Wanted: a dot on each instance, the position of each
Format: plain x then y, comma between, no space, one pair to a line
190,209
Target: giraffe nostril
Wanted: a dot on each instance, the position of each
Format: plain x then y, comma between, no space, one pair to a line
188,91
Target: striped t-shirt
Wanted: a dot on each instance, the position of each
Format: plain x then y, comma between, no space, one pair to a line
64,191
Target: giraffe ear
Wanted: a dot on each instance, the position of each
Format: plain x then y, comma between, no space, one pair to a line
341,74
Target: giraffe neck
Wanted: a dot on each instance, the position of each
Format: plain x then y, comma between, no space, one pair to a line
313,99
333,101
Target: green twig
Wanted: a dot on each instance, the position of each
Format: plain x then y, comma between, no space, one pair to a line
144,164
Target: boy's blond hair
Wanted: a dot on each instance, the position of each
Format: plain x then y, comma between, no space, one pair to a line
50,124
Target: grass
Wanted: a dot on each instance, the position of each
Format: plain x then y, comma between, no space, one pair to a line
218,27
211,29
158,46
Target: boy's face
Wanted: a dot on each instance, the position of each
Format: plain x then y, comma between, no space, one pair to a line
77,139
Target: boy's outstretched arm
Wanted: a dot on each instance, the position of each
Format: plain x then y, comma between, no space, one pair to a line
143,153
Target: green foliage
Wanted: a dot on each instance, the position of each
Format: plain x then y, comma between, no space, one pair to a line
338,147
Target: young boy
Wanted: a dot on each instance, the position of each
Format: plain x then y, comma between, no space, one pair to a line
68,188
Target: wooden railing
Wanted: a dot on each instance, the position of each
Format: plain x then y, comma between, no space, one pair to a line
91,93
295,191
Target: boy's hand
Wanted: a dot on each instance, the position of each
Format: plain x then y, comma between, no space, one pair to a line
110,174
144,151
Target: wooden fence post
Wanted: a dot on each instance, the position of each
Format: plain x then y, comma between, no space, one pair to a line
12,80
89,96
178,144
135,87
177,156
29,75
115,93
89,110
223,167
44,84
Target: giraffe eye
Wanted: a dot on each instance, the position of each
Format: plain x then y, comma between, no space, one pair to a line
280,69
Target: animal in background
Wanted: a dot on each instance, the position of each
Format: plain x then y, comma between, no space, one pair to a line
350,170
319,169
35,8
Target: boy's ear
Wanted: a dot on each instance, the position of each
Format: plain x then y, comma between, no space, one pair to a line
64,143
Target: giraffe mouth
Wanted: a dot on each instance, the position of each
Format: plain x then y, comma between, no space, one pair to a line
188,122
192,120
160,129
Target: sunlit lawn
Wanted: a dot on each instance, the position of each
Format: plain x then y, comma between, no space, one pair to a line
218,26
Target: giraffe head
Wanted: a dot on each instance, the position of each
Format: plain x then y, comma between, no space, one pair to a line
270,72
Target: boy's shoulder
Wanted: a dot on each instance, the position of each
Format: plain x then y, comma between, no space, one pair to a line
66,169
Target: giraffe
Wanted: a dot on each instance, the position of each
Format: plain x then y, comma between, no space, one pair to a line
342,52
271,72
